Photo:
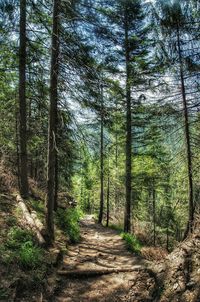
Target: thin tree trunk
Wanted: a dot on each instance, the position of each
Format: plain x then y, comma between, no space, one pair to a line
88,204
149,202
51,160
187,139
82,185
101,160
127,213
154,215
17,146
22,103
56,163
56,183
116,163
108,196
167,244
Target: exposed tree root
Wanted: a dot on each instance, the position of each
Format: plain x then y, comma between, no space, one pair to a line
98,272
32,221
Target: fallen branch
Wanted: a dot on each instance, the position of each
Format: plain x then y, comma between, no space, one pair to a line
38,223
30,220
98,272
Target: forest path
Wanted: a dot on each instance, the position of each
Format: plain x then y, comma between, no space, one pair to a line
103,249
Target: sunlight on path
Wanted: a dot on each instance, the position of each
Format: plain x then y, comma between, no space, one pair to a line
103,249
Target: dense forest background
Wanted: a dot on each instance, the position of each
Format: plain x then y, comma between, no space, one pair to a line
100,100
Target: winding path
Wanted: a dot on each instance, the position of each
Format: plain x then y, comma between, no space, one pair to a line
102,249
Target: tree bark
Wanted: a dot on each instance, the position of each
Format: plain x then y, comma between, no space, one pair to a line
17,146
127,213
187,138
154,215
56,179
116,161
167,241
101,159
31,220
51,160
23,175
98,272
108,197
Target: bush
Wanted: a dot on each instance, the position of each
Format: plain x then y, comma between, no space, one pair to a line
133,244
11,220
17,236
38,206
30,256
117,228
68,221
21,248
3,294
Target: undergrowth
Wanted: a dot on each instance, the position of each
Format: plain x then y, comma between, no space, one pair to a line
39,207
115,227
68,221
3,294
132,242
21,248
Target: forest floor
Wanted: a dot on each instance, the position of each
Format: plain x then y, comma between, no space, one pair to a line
98,268
93,270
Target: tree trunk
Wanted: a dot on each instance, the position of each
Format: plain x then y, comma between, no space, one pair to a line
154,215
127,213
187,139
101,160
23,176
51,160
116,163
100,271
108,197
31,220
56,181
167,242
17,146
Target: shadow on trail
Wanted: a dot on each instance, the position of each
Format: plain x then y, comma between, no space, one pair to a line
102,248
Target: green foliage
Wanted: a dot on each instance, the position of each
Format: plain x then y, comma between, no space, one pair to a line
20,247
133,244
30,256
7,256
11,220
117,228
3,294
68,221
38,206
18,236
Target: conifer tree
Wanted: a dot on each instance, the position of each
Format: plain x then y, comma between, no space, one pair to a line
22,103
52,138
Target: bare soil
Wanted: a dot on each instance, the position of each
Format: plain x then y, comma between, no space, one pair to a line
102,249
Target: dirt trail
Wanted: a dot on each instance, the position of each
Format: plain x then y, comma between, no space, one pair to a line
102,248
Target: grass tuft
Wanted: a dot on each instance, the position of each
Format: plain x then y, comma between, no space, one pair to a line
68,221
133,244
17,236
30,256
117,228
21,248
